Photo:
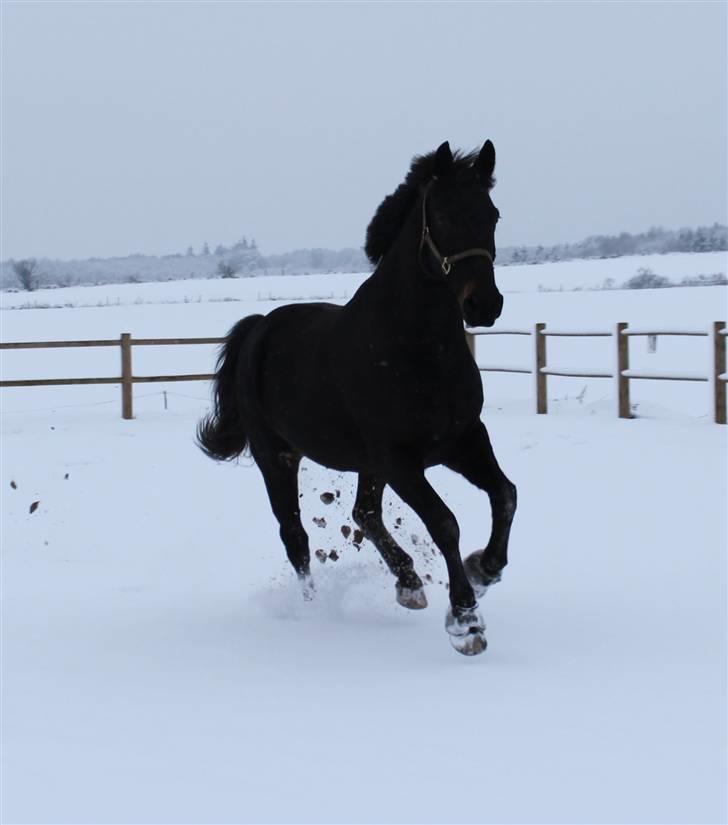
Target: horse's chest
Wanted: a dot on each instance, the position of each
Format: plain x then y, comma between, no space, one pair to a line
447,414
433,400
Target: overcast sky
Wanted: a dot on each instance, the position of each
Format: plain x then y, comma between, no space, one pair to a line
148,127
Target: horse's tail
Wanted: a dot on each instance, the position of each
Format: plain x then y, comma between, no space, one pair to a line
221,434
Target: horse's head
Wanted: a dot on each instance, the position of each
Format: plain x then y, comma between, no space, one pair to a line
447,197
458,231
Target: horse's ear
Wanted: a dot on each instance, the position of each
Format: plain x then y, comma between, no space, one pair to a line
485,164
443,159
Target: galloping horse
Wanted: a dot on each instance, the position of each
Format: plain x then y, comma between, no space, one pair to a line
384,386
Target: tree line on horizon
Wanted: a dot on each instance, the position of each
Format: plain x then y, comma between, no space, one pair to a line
244,259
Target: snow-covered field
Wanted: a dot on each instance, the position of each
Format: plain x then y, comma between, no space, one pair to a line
564,275
160,666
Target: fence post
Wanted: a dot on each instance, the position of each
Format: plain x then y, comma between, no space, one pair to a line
719,347
127,410
470,340
542,404
623,402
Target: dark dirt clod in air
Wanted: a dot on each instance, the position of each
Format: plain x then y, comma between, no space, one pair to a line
319,522
327,498
65,477
13,485
345,531
333,555
358,536
321,555
34,506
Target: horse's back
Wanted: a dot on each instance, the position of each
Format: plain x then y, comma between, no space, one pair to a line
296,337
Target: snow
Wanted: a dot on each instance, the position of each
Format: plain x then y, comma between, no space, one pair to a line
160,665
562,275
588,274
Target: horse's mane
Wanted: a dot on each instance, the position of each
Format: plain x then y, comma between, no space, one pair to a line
390,216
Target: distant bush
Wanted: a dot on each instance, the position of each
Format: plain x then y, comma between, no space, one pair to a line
717,279
227,269
647,279
25,272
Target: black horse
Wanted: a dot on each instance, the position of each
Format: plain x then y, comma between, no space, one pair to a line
384,386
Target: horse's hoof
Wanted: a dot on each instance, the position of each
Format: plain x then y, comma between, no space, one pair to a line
411,598
479,580
466,629
470,645
308,591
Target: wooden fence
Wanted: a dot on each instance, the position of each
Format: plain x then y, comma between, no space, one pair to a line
621,374
127,379
540,368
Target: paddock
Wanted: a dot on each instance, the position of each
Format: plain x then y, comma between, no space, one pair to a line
158,660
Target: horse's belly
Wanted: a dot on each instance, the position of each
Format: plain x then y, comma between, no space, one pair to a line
305,410
325,442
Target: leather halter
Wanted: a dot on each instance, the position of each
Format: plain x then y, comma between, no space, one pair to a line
445,261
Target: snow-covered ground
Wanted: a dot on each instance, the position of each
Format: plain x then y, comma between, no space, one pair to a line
160,666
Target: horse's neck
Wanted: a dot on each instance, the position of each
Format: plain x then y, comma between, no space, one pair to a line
415,298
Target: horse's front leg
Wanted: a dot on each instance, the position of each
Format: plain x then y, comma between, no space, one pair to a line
463,622
473,458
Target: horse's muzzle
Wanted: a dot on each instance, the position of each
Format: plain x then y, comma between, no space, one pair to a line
477,313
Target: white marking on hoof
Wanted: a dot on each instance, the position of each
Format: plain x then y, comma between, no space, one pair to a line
466,629
470,645
475,575
308,590
412,599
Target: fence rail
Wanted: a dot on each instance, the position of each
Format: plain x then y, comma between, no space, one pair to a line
539,367
127,379
622,376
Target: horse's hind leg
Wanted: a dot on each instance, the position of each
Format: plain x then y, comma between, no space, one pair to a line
278,463
368,515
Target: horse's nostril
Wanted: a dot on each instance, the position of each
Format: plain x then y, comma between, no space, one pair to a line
470,304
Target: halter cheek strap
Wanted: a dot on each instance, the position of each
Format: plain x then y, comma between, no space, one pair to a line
445,261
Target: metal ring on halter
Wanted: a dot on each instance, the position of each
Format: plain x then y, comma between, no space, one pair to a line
446,265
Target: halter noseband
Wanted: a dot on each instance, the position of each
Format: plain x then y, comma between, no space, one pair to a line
445,261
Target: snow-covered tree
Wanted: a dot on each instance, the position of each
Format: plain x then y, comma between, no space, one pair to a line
25,272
